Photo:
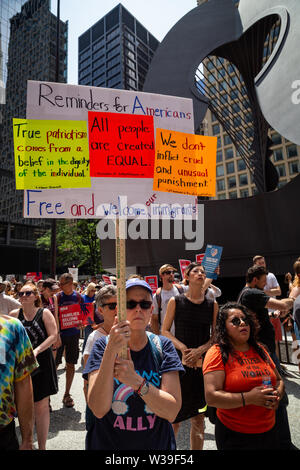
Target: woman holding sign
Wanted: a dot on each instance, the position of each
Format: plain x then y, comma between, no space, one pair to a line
194,316
140,393
42,331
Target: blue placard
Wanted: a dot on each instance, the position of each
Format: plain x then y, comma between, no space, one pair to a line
211,260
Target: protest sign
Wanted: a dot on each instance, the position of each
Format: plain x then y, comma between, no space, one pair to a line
183,264
74,272
185,163
199,257
106,279
121,145
153,282
211,260
59,101
76,315
51,154
34,276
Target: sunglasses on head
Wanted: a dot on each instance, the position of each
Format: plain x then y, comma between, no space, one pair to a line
111,305
168,272
144,304
27,293
236,321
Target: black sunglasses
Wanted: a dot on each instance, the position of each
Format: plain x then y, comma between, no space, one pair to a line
111,305
169,272
144,304
236,321
27,293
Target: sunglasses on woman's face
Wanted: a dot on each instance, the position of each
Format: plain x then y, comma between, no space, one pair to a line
27,293
236,321
144,304
168,272
111,305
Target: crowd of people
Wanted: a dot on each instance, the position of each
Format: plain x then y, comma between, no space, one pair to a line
179,355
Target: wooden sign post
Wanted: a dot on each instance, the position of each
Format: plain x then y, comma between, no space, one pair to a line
121,273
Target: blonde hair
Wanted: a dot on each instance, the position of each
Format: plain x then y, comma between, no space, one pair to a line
296,281
91,286
38,300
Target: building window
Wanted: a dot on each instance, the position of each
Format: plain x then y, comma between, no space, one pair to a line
220,170
281,170
244,193
278,155
241,165
222,196
219,156
233,195
293,168
292,151
216,129
230,167
243,179
227,140
276,139
229,153
221,185
231,181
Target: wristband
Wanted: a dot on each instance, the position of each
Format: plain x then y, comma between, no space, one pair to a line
142,384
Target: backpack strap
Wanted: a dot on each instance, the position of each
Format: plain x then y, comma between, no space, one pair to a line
179,288
155,346
158,300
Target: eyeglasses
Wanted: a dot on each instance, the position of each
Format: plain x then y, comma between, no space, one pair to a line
236,321
144,304
168,272
111,305
27,293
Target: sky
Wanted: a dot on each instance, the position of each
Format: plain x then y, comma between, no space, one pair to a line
158,16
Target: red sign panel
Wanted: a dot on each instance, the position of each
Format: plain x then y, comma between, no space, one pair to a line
153,282
121,145
76,315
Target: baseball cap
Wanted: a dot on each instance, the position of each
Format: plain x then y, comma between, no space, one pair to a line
166,267
136,282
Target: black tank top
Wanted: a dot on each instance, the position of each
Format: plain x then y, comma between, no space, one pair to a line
193,321
35,328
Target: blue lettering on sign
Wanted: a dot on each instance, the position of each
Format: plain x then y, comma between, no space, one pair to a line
136,99
48,207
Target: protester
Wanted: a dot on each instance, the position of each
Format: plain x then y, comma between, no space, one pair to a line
69,337
256,300
7,302
272,288
42,331
106,303
140,393
89,297
194,316
233,376
17,361
17,287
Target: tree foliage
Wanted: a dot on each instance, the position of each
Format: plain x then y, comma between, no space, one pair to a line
77,244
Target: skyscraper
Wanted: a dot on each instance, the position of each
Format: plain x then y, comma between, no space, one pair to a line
220,77
31,56
115,52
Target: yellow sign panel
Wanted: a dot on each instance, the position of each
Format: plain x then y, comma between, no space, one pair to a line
185,163
51,154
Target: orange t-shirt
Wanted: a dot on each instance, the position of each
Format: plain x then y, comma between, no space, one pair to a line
242,373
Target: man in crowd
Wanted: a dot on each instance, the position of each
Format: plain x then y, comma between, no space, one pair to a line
7,302
17,361
69,337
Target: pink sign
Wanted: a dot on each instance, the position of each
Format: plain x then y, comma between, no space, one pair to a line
183,263
153,282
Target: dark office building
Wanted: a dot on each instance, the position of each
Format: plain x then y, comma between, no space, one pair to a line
115,52
31,55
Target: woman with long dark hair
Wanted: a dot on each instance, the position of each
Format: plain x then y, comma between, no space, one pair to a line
242,382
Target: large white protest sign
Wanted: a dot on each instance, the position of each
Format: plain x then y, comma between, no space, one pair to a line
57,101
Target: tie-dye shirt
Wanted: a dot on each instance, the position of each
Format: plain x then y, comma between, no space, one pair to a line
16,362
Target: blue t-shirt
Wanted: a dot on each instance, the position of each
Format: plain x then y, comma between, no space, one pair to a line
130,424
63,299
